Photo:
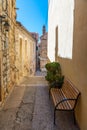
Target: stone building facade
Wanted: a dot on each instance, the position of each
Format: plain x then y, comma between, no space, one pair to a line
7,46
43,49
74,64
36,37
25,47
17,49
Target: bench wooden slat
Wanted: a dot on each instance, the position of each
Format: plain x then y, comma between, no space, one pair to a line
70,103
57,95
71,87
66,97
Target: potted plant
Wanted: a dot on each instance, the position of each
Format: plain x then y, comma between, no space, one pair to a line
54,75
58,81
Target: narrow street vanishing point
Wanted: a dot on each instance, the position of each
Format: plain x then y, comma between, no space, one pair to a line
29,108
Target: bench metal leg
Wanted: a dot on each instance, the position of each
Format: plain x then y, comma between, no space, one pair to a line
54,115
49,92
74,117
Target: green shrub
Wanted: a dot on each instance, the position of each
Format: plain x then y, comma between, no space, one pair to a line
54,67
54,75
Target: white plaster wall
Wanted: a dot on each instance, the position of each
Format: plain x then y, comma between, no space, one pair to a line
60,14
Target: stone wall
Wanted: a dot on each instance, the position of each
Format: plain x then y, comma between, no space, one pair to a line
25,51
7,48
43,50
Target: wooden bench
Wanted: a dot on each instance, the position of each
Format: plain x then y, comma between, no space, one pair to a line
65,99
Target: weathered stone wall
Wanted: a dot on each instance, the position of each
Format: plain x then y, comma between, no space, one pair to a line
43,52
25,52
7,48
17,50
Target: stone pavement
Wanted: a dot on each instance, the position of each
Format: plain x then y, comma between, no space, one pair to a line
29,108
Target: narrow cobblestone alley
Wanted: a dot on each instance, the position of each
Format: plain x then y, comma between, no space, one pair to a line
28,108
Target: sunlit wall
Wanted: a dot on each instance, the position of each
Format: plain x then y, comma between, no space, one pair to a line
60,14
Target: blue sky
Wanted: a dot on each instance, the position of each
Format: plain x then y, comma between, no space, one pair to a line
33,14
